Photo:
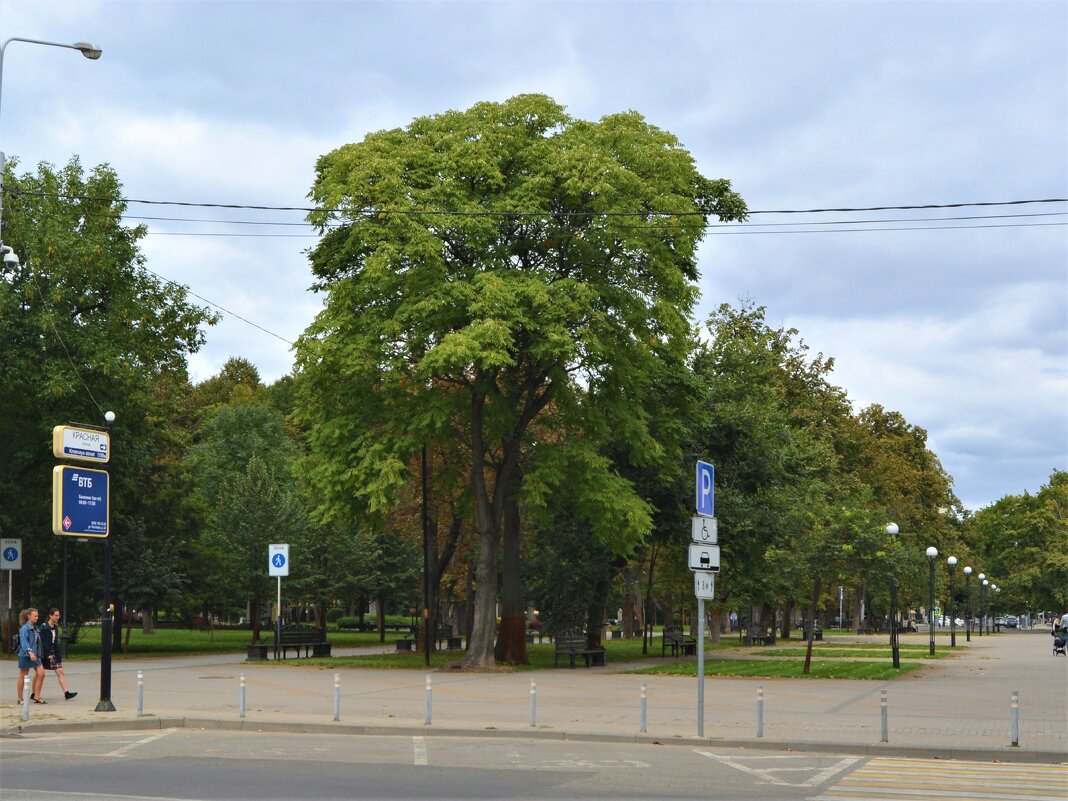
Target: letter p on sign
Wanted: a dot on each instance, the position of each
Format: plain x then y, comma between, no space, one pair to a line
706,474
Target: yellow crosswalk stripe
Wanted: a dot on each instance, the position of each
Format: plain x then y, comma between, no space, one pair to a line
899,779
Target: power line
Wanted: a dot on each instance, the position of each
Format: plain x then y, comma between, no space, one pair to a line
489,213
215,305
712,225
649,228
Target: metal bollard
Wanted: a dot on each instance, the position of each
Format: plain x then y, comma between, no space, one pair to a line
645,695
1016,718
429,700
337,696
760,710
885,720
241,712
26,697
140,693
533,704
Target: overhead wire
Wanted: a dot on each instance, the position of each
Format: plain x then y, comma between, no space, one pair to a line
715,229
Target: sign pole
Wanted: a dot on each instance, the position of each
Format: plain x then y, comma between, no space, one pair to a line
700,667
704,561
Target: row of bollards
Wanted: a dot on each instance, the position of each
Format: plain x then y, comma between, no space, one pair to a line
883,706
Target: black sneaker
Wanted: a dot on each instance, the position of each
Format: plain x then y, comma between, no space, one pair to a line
69,695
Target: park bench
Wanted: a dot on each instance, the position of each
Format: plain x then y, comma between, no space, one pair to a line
762,639
573,645
300,636
451,641
677,642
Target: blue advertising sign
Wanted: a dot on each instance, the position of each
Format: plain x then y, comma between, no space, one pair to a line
706,479
80,502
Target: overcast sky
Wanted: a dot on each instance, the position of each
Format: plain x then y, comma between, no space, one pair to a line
959,324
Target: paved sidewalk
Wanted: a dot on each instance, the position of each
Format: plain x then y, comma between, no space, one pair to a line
955,707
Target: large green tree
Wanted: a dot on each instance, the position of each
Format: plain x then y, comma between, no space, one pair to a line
479,266
85,328
1022,542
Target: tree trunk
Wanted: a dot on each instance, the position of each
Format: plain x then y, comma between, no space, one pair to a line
811,632
787,620
647,629
116,627
595,612
254,618
380,616
511,645
148,621
484,625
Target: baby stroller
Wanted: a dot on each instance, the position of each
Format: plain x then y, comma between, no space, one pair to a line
1059,636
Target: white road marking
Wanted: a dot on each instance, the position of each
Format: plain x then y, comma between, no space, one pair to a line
767,774
143,741
419,744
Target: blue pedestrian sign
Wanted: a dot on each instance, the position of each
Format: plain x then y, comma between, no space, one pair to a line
278,560
706,479
11,554
80,499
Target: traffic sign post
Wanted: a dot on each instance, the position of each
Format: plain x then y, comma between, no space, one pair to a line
278,565
704,561
10,560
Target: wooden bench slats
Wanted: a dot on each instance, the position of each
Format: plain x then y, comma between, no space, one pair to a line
574,645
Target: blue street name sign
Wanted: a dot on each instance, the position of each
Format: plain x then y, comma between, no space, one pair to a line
706,480
80,498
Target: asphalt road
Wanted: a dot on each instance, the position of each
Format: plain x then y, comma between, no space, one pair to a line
213,765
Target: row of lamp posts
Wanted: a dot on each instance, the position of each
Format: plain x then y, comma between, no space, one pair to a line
985,588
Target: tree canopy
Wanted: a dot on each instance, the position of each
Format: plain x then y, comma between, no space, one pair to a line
481,266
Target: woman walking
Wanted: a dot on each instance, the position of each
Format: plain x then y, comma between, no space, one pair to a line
50,655
30,654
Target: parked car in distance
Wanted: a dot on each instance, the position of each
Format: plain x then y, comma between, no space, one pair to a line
1012,621
999,621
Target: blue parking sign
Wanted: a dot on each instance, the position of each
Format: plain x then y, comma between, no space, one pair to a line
706,479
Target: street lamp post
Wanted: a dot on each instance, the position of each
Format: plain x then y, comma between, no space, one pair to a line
932,554
104,704
952,562
994,588
968,595
892,530
984,582
89,51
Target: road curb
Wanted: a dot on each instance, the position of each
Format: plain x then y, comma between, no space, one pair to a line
1006,754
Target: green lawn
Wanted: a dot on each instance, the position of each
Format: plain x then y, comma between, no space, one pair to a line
834,669
170,642
830,660
853,651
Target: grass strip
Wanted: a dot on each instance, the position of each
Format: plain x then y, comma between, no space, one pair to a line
843,653
785,669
